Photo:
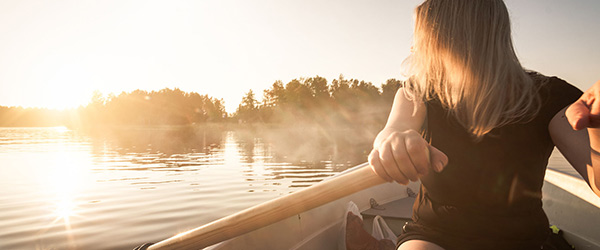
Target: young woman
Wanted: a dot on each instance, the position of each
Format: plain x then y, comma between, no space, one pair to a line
477,130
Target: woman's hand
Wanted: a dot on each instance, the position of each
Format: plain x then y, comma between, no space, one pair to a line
585,112
404,156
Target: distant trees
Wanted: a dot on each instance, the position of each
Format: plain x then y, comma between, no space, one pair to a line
314,100
143,108
303,100
248,108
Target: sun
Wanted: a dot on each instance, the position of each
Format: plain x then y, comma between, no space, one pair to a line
69,86
61,100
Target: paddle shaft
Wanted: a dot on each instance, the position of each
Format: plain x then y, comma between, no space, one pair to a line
272,211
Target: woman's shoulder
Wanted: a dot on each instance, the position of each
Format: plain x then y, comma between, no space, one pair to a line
555,92
555,87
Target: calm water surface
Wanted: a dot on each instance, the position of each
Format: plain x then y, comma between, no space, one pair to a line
60,189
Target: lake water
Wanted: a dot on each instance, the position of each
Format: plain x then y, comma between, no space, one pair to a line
61,189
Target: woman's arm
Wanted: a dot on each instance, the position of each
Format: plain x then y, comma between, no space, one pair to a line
576,133
399,151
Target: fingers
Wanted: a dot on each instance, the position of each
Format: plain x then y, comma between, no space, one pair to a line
585,112
578,115
418,151
395,161
406,156
439,160
377,167
594,108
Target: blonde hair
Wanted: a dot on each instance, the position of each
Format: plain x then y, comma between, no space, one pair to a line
463,55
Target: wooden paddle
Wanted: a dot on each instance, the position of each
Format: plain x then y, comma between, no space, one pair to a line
272,211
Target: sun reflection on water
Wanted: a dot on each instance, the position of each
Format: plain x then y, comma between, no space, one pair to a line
64,178
61,129
65,209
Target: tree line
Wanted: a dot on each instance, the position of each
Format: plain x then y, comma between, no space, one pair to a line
143,108
303,100
314,100
136,108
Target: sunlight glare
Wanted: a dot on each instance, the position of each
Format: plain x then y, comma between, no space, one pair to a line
65,209
65,177
61,129
66,180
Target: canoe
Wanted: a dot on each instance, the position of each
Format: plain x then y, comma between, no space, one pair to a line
568,202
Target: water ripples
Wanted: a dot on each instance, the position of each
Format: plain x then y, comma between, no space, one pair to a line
64,190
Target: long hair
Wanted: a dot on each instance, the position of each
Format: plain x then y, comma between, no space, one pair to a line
463,55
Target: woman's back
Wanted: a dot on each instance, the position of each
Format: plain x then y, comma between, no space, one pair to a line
490,127
491,188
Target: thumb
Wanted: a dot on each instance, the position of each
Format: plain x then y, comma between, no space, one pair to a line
578,115
439,160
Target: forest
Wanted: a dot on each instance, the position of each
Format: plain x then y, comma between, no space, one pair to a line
311,100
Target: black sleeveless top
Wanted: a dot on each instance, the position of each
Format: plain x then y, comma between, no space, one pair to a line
490,191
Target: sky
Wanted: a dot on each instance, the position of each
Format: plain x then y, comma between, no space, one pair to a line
56,53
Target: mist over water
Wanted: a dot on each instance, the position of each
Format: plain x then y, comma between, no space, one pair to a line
63,189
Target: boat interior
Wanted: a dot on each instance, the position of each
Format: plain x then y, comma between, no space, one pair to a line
564,214
567,199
